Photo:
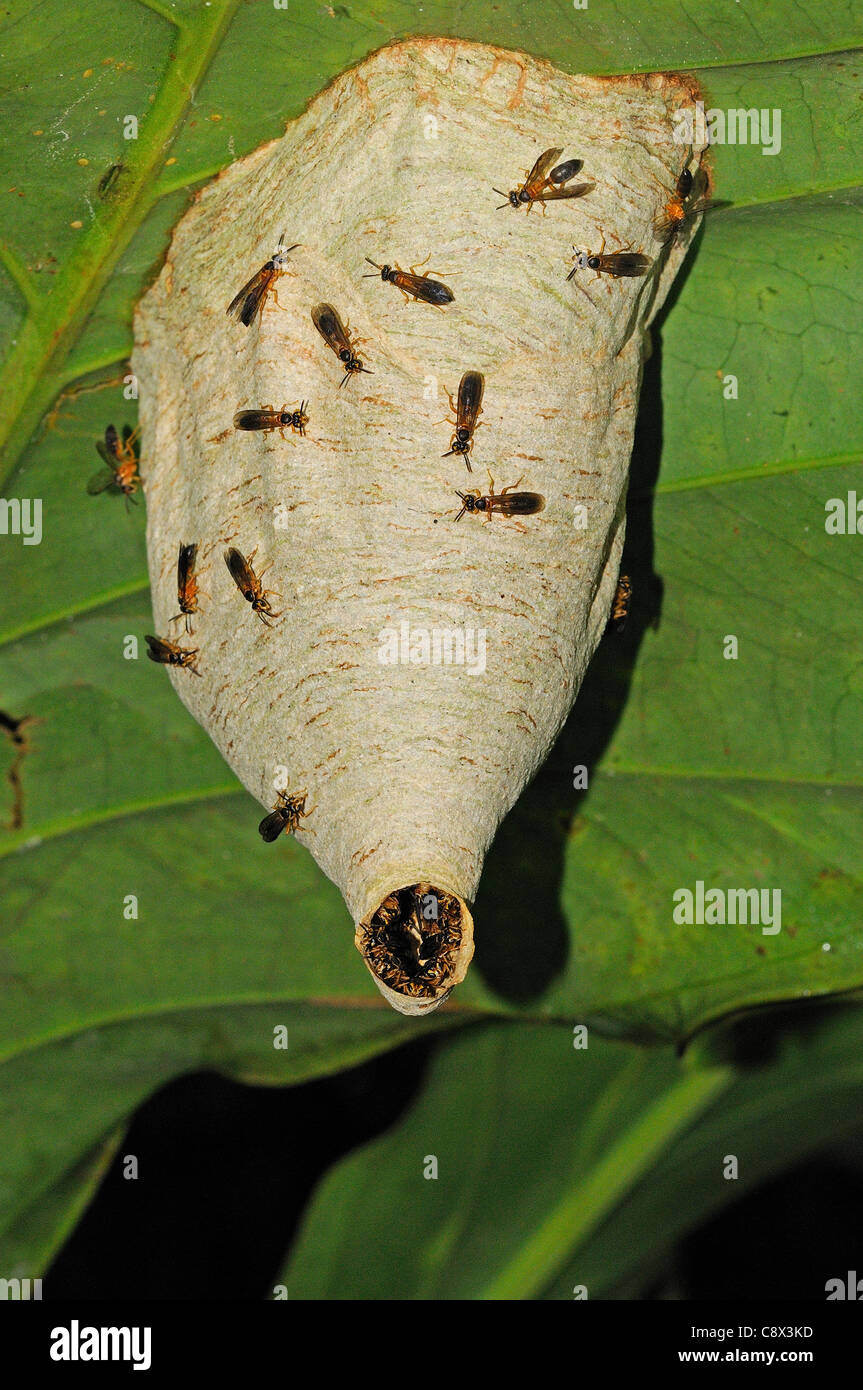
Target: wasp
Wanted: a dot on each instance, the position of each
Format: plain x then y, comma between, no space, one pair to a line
406,951
269,419
413,285
122,470
284,817
508,502
167,653
187,584
249,584
412,944
620,606
545,182
619,264
686,202
329,324
253,296
470,390
108,179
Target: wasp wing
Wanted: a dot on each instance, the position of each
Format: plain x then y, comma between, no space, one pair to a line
539,172
186,564
157,650
102,450
470,391
239,568
522,503
253,420
112,444
549,194
626,263
329,324
100,481
272,826
245,305
423,287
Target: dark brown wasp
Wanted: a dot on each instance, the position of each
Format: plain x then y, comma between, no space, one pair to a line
413,285
508,502
619,264
620,606
412,943
329,324
408,952
249,583
470,390
108,179
545,183
687,201
187,584
122,470
284,817
269,419
253,296
167,653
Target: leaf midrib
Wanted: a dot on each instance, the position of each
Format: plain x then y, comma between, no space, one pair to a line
32,370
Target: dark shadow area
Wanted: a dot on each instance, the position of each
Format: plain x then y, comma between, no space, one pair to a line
754,1039
225,1172
521,937
784,1240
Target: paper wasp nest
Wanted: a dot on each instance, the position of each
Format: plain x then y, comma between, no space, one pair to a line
421,668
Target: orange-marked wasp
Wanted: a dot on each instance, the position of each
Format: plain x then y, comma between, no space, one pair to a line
619,264
508,502
621,604
269,419
253,296
187,584
546,182
329,324
469,407
687,201
413,285
284,817
249,583
167,653
122,464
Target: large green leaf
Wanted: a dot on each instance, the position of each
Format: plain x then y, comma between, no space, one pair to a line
741,773
634,1152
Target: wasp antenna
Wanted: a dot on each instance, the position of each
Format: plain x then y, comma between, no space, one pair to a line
374,263
572,272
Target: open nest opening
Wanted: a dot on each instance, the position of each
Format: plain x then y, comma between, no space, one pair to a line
416,941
